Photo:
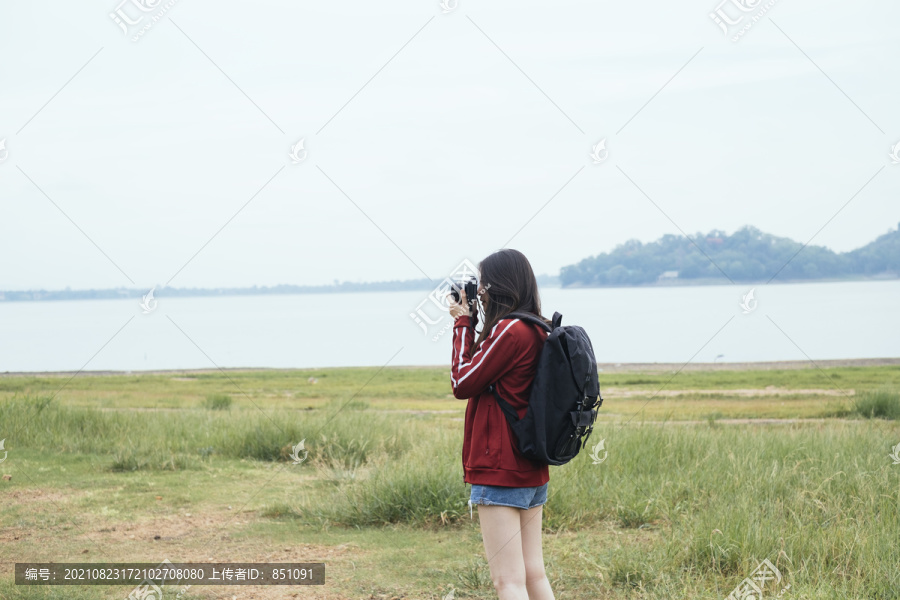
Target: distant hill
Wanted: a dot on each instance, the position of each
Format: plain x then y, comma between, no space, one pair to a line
746,255
103,294
339,287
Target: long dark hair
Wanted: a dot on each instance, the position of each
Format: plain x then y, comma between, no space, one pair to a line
509,285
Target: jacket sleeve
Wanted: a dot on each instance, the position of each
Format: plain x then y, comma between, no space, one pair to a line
471,374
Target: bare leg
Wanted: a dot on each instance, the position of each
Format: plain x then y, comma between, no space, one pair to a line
500,529
535,578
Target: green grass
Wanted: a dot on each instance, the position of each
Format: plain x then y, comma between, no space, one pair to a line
218,402
167,440
394,388
675,511
880,403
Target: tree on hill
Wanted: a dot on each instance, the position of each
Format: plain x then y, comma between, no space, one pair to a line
746,255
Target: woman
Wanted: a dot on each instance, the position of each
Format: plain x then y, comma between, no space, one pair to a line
509,489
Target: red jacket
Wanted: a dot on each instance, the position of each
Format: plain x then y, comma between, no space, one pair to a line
509,357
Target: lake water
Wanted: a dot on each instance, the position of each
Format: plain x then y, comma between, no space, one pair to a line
658,324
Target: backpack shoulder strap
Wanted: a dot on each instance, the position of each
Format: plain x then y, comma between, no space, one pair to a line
511,416
530,318
507,409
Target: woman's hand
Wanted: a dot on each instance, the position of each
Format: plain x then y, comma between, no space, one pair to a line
458,309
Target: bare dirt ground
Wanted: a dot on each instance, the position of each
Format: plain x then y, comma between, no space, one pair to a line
189,538
769,390
749,421
745,366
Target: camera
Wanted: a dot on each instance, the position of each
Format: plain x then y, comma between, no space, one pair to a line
470,286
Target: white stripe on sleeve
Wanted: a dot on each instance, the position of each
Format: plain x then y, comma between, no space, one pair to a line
481,362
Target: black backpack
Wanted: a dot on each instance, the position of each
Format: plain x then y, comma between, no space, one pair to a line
564,395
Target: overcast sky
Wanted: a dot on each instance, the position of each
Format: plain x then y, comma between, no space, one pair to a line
429,137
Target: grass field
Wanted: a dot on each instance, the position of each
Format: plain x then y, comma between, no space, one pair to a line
707,474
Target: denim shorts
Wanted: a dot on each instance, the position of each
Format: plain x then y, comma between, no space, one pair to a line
516,497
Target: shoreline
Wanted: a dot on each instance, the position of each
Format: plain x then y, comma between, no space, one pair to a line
602,368
135,294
